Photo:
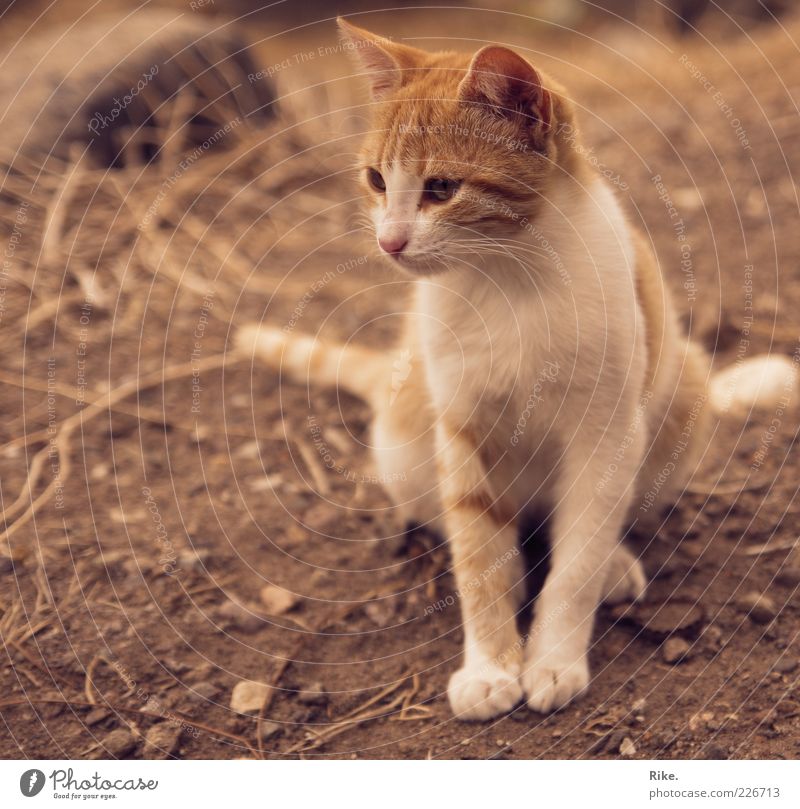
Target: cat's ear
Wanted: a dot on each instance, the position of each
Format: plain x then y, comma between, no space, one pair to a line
386,63
507,85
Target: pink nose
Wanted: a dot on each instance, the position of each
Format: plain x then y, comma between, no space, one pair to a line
393,246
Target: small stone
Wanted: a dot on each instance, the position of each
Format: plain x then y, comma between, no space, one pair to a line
785,665
713,752
627,747
100,472
380,613
194,559
276,600
699,721
712,637
638,705
240,617
789,576
251,450
162,740
662,620
205,691
248,696
674,650
270,730
95,716
52,710
118,744
314,695
614,740
760,607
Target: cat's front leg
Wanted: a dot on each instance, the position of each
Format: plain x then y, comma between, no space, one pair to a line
587,524
489,576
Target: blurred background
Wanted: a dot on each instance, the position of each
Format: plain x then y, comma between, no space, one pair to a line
197,561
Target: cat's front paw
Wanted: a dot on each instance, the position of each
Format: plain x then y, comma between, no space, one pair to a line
483,690
550,685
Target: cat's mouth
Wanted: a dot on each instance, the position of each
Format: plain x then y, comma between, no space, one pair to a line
420,263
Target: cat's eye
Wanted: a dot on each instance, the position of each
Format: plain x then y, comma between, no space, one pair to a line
376,180
440,189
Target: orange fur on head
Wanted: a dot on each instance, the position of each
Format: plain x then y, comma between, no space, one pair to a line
491,123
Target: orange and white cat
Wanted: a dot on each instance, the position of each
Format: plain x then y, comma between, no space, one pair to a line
547,371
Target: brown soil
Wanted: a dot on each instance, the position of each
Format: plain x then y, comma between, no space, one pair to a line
119,610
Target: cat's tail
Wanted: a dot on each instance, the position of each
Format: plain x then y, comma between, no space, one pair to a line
308,360
761,383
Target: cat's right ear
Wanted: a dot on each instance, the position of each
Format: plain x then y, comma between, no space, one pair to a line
385,63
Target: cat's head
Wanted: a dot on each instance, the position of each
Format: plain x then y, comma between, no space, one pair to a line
462,149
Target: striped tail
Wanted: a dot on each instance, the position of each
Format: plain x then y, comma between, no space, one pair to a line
309,361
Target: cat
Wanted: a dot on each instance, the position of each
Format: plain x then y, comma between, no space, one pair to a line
545,368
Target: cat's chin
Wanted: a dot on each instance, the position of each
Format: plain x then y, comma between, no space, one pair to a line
419,265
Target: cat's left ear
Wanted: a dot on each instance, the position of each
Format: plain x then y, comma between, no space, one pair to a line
386,63
504,83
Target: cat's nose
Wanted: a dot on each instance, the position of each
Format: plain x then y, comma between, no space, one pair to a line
393,245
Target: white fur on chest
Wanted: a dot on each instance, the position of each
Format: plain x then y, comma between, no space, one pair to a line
491,333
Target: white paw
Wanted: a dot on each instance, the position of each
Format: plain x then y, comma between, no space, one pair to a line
549,686
483,690
625,578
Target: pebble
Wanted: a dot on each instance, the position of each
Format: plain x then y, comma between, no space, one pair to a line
277,600
380,613
760,607
662,620
206,691
162,740
248,696
627,747
195,559
252,450
786,665
270,730
675,650
712,636
118,744
613,741
789,576
240,617
314,695
95,716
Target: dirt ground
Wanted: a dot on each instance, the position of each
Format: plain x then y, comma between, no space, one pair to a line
131,600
